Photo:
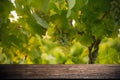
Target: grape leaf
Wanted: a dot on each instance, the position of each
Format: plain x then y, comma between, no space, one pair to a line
40,21
42,5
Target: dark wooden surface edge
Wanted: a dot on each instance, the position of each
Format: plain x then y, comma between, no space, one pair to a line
93,71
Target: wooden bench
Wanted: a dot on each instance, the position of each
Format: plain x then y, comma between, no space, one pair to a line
77,71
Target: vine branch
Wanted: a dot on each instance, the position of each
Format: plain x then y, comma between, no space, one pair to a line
93,51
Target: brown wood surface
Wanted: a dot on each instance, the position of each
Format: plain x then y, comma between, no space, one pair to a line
77,71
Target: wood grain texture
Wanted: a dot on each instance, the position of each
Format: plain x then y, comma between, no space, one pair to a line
78,71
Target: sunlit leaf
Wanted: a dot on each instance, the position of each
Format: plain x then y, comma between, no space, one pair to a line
71,3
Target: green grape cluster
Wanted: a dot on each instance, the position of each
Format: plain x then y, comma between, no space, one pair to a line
115,10
63,39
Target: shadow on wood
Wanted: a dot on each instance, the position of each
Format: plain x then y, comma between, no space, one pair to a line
78,71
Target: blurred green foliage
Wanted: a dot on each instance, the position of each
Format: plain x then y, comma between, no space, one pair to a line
45,33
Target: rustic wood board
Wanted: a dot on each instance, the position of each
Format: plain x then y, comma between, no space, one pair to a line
77,71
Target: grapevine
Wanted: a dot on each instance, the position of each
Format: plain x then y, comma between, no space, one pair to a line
59,31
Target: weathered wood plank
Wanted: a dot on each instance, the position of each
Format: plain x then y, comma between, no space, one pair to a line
59,71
